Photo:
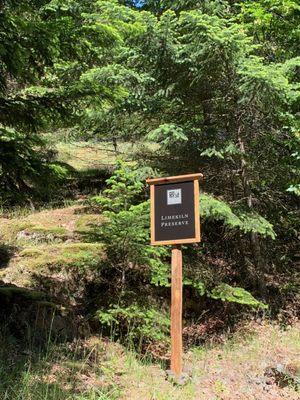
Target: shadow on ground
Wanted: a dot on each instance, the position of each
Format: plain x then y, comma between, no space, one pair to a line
6,253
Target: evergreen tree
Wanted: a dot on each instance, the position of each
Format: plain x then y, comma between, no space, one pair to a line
209,93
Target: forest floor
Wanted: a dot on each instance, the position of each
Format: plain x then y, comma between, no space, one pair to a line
42,250
245,367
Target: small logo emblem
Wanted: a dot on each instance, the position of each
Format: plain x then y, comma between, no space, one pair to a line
174,196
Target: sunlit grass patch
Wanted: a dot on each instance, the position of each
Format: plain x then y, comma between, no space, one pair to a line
89,155
37,260
9,229
84,155
88,223
62,255
49,225
56,223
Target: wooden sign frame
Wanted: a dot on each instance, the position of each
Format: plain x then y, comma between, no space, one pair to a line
175,179
176,270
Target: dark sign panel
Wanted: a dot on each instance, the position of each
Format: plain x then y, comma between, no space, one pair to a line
175,210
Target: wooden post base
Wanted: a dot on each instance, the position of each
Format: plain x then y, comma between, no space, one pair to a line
176,312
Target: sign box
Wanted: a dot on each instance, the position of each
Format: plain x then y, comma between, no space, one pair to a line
175,209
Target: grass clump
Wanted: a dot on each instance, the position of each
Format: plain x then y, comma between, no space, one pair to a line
65,372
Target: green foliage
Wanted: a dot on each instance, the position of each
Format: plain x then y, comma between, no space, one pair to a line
126,228
276,21
52,65
215,209
124,188
232,294
229,151
294,189
199,286
24,168
126,235
215,84
60,171
138,323
226,293
160,271
167,135
256,223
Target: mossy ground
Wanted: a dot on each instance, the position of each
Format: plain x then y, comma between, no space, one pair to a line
61,223
49,240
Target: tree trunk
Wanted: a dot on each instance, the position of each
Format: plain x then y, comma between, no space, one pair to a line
254,238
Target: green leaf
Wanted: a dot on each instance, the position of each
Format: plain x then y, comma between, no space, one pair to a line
238,295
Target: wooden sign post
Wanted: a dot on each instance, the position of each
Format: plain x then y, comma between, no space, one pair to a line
176,311
175,220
